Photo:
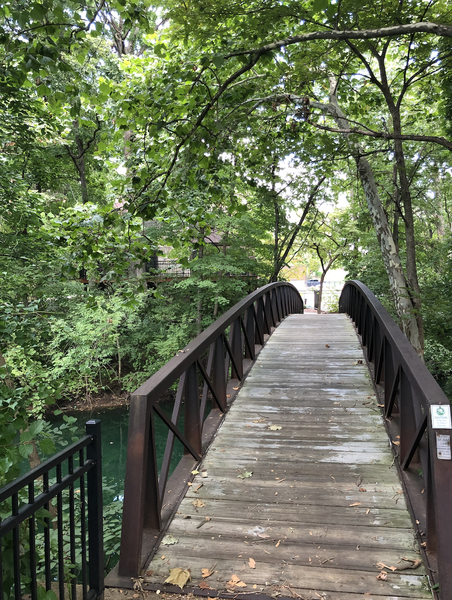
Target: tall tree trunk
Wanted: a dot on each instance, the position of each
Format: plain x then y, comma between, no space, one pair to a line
199,304
405,195
394,269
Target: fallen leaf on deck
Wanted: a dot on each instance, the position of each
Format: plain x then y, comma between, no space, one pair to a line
198,488
275,427
396,443
198,503
277,544
204,473
362,490
235,388
259,420
356,504
245,474
381,565
414,564
169,540
252,563
327,345
207,572
382,576
178,577
263,535
195,472
235,582
203,585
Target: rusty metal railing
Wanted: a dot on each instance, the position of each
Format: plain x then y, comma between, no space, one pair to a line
209,371
417,415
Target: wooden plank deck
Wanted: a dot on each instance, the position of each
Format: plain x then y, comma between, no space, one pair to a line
323,505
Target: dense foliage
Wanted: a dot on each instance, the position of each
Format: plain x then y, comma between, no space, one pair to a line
233,138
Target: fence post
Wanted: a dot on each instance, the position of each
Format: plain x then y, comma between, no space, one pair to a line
95,510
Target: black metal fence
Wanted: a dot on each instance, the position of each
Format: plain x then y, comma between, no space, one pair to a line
417,415
208,372
52,537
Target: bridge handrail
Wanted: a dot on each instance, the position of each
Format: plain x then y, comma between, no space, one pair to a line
409,391
145,514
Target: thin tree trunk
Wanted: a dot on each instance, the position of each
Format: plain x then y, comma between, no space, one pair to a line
394,269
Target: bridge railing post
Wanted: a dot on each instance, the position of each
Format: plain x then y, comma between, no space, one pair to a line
267,314
235,340
192,419
249,328
219,374
141,503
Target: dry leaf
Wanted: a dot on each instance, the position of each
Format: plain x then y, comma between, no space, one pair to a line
252,563
204,473
275,427
245,474
327,345
206,572
356,504
414,564
198,503
362,490
381,565
178,577
235,388
382,576
203,585
195,472
198,488
367,511
259,420
235,582
396,443
277,544
263,535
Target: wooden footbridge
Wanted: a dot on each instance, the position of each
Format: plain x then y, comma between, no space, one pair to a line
311,469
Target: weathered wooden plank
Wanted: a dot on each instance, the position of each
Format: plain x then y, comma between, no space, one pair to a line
323,579
322,488
271,512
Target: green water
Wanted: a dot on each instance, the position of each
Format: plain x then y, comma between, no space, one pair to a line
114,424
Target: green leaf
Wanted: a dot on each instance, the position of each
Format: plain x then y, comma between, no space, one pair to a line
47,446
25,450
319,5
218,60
245,474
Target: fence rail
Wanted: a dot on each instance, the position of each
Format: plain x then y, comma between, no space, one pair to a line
416,411
208,372
38,543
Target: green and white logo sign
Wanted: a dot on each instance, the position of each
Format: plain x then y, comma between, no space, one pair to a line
441,416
